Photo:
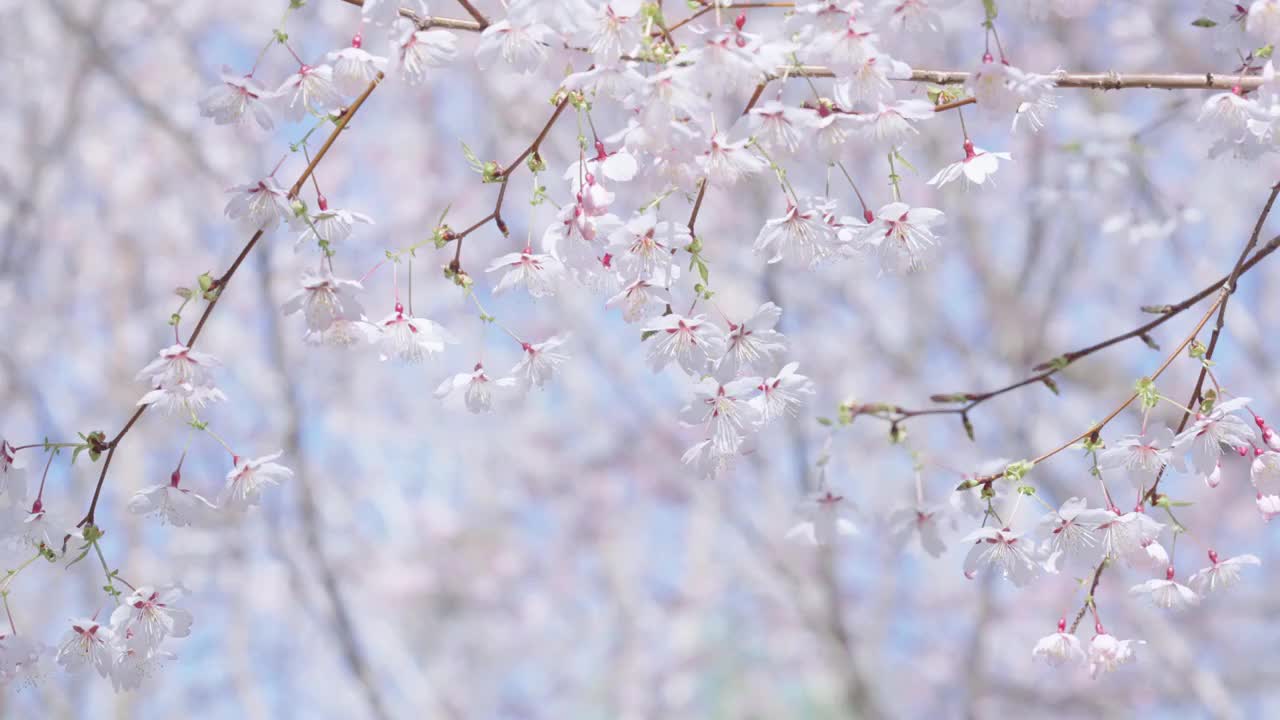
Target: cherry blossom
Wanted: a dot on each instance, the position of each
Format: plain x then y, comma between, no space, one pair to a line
236,99
1265,472
691,342
539,362
354,68
411,339
325,300
260,205
781,127
975,168
1106,653
536,272
1263,20
802,236
825,517
87,644
1069,535
419,50
1210,432
726,162
247,478
641,300
331,226
780,395
520,43
753,346
890,125
147,617
477,388
1221,574
181,397
902,236
1004,552
1141,455
1059,648
13,476
1167,593
921,521
310,90
177,506
725,410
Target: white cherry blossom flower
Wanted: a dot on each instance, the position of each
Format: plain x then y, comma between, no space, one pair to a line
1166,593
133,666
825,517
912,16
1148,556
704,460
692,342
780,395
324,300
921,521
614,30
536,272
87,644
847,48
1004,552
780,127
1265,472
1221,574
975,168
171,503
183,397
148,616
724,410
235,100
354,68
1141,455
1209,433
247,478
330,226
13,475
419,50
869,83
644,247
641,300
1269,506
1106,653
1059,648
1123,534
990,85
520,43
260,205
179,364
539,362
411,339
726,162
310,90
902,236
476,386
1069,535
1263,21
890,125
753,345
803,236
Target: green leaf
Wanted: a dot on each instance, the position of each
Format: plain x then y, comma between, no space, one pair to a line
1203,22
826,422
476,164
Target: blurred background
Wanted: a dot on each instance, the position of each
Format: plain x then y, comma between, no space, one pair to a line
555,559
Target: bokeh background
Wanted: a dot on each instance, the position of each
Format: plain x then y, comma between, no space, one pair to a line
555,559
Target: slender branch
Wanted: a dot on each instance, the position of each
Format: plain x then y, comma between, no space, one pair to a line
896,413
473,12
1228,289
1089,81
431,20
505,176
1094,429
1093,588
220,284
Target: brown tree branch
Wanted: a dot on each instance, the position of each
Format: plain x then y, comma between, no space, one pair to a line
221,283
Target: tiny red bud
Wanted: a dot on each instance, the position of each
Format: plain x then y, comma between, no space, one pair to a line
868,215
175,477
986,58
1168,573
1213,556
740,21
357,41
1062,624
322,201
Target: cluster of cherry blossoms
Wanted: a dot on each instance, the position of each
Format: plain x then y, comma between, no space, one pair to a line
619,228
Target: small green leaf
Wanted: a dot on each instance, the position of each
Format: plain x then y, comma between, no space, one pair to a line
1204,22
